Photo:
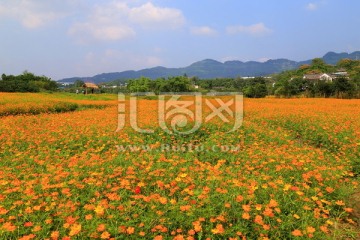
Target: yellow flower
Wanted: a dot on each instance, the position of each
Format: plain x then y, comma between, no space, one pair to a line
75,229
99,210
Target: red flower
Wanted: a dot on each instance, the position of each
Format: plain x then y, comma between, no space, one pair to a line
137,190
28,224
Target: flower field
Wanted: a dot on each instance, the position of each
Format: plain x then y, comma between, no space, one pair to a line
30,103
291,171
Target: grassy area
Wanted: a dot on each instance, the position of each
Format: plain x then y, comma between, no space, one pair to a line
289,172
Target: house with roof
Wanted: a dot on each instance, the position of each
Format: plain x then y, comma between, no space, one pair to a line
319,77
340,73
327,77
89,86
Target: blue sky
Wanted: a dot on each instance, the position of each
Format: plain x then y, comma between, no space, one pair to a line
67,38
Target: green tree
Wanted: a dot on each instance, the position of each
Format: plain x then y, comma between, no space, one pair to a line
323,89
255,88
179,84
79,83
139,85
282,88
26,82
344,88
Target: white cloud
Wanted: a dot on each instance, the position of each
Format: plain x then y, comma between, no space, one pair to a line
105,22
255,29
33,14
86,32
150,15
204,30
312,6
118,20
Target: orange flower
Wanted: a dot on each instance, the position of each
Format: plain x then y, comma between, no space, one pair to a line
36,228
48,221
329,189
297,233
71,220
324,229
266,227
185,208
268,212
55,235
349,210
179,237
105,235
310,229
130,230
3,211
75,229
8,226
218,230
197,226
28,237
101,227
239,198
340,203
258,219
246,215
28,224
246,208
163,200
273,203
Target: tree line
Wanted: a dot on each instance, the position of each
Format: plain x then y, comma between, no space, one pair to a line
256,87
26,82
171,84
286,84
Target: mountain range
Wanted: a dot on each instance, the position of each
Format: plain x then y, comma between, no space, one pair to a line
209,68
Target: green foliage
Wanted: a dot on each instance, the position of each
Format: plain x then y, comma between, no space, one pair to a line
79,83
251,87
344,86
26,82
291,83
139,85
172,84
255,88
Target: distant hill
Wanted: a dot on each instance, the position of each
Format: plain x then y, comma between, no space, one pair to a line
209,68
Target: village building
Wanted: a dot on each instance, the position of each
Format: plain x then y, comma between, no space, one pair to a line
320,76
327,77
89,87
